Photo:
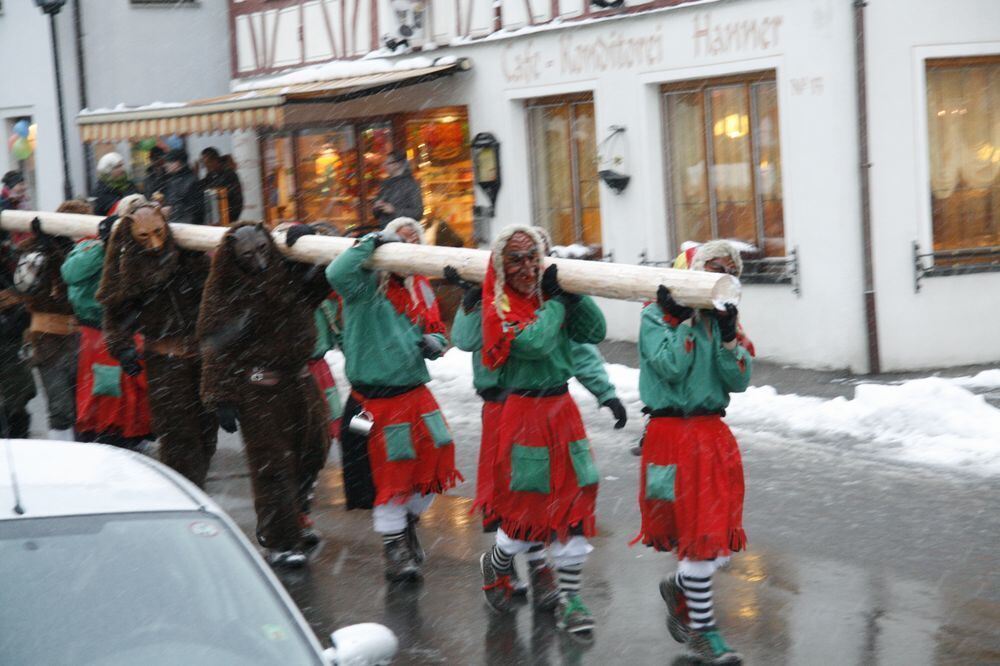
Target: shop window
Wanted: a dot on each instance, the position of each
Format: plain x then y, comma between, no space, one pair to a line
327,176
963,125
564,176
437,144
724,162
278,171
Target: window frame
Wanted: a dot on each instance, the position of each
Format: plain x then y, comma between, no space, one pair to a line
749,82
569,100
927,260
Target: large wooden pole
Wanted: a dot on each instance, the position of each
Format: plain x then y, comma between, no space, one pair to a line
596,278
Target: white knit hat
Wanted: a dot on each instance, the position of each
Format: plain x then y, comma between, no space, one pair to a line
108,163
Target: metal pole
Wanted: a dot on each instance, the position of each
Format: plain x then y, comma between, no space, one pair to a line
81,76
864,166
67,182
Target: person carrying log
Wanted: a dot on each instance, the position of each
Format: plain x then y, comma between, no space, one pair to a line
111,406
588,369
53,333
691,478
151,286
545,478
397,449
256,334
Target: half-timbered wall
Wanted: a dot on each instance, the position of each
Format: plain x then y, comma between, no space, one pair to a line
272,35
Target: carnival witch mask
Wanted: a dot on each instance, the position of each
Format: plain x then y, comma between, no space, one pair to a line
149,228
521,264
252,249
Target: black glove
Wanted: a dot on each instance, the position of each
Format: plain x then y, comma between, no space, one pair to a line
617,410
45,240
670,306
104,227
552,289
473,291
727,322
226,414
129,360
296,232
383,237
431,347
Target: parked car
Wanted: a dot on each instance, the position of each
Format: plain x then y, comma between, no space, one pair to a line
109,558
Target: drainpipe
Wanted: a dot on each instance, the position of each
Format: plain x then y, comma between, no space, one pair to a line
81,85
864,167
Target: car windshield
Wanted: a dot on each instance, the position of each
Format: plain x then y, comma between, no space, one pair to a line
165,588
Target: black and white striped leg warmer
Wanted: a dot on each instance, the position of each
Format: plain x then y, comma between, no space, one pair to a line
698,592
503,561
569,580
388,538
535,556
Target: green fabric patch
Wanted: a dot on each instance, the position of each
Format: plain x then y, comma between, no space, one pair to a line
398,445
529,469
437,427
333,399
660,481
107,380
583,463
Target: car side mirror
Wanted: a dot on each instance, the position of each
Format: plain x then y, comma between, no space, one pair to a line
366,644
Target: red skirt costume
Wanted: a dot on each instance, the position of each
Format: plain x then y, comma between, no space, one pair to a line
108,400
320,370
410,448
544,475
691,488
488,445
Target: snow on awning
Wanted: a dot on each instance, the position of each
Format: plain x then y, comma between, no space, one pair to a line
251,109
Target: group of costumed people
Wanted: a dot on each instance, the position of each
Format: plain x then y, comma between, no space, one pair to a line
196,337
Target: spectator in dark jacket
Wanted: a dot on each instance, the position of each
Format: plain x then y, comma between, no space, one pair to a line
113,183
183,199
17,386
14,192
220,175
399,194
156,172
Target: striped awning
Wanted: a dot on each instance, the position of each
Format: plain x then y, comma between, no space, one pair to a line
263,108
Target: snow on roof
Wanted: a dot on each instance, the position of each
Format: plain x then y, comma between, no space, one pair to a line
339,69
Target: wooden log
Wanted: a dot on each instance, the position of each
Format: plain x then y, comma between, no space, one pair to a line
608,280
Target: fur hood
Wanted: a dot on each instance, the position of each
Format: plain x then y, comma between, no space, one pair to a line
716,249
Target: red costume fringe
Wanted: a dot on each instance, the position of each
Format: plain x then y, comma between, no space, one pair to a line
567,508
127,415
488,446
705,519
432,470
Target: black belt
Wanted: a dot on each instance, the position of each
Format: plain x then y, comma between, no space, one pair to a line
541,393
373,392
673,413
493,394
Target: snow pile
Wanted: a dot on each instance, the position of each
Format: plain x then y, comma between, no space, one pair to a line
985,380
338,69
930,421
574,251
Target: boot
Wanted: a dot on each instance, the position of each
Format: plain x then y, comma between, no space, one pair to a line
399,562
519,588
708,647
676,607
310,537
496,586
544,591
286,559
573,617
412,540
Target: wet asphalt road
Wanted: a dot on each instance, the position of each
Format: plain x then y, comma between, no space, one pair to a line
852,560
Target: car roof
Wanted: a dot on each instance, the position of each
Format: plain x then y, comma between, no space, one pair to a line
71,478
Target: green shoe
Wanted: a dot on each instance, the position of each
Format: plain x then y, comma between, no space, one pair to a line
709,647
573,617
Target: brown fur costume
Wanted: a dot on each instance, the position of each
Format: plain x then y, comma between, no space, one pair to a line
158,295
254,325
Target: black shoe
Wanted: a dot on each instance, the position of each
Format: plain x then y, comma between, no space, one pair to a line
310,540
544,591
519,588
399,562
708,647
412,540
573,617
496,586
677,623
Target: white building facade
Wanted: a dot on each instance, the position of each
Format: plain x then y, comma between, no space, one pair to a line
737,119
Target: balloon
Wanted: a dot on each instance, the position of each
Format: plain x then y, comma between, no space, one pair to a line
21,128
12,140
22,149
174,142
